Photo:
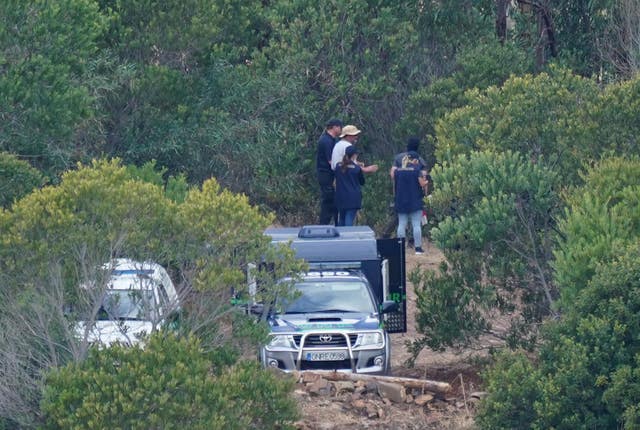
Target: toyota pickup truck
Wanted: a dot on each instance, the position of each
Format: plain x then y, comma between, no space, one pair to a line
345,306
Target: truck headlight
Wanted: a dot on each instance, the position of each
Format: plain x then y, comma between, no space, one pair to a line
370,339
281,341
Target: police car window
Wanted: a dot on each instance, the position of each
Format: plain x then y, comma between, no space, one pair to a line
164,297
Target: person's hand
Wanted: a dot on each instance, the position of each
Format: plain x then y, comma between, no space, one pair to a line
370,169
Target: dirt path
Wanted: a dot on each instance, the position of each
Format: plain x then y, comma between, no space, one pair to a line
429,363
327,413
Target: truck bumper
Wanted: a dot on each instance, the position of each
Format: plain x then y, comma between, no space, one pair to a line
372,361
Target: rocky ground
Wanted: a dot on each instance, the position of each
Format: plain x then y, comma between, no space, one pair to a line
326,405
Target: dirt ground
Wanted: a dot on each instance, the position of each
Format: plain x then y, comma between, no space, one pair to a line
454,367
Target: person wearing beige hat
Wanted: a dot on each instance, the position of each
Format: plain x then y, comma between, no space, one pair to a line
349,136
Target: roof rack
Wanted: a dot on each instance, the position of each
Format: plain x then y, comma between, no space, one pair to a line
318,231
337,265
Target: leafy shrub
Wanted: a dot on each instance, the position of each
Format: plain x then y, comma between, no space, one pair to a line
450,307
602,218
169,384
587,366
17,179
537,116
493,218
513,389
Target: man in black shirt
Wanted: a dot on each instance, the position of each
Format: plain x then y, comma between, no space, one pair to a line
326,142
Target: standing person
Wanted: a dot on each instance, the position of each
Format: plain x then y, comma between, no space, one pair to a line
413,143
349,180
349,136
409,182
324,170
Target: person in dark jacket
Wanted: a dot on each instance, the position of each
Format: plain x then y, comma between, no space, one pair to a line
326,143
413,143
409,182
349,180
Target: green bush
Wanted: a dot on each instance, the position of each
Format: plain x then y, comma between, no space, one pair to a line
587,365
513,389
17,179
493,219
377,198
450,306
602,218
170,385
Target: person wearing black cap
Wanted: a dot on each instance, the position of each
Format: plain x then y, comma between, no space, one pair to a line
326,143
413,143
409,182
349,180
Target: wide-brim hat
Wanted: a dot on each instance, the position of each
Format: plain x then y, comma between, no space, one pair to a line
350,130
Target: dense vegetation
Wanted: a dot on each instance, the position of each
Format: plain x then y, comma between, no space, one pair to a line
135,127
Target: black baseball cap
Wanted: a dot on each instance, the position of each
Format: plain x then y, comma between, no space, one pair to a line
413,143
350,150
334,123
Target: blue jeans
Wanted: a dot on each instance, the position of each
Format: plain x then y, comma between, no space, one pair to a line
416,218
346,217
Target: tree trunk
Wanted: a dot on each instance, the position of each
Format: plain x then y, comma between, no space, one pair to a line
424,384
502,6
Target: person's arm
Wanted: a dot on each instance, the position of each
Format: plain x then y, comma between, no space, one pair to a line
422,179
328,150
397,163
370,169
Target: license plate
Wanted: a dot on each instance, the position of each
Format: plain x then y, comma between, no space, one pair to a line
326,356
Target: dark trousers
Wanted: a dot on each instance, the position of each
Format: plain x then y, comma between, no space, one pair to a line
347,217
328,209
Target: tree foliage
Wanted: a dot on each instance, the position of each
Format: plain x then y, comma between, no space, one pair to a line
609,125
46,97
569,33
58,237
587,362
478,66
538,116
513,384
168,384
601,221
17,179
620,46
494,222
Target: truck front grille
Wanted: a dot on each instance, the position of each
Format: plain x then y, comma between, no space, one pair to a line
325,340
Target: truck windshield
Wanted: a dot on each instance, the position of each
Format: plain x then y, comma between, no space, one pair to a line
330,296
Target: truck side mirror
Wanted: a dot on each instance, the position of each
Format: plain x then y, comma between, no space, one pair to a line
388,306
256,309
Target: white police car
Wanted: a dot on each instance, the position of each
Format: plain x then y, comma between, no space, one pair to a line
136,300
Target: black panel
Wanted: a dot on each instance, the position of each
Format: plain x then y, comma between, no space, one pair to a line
393,251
